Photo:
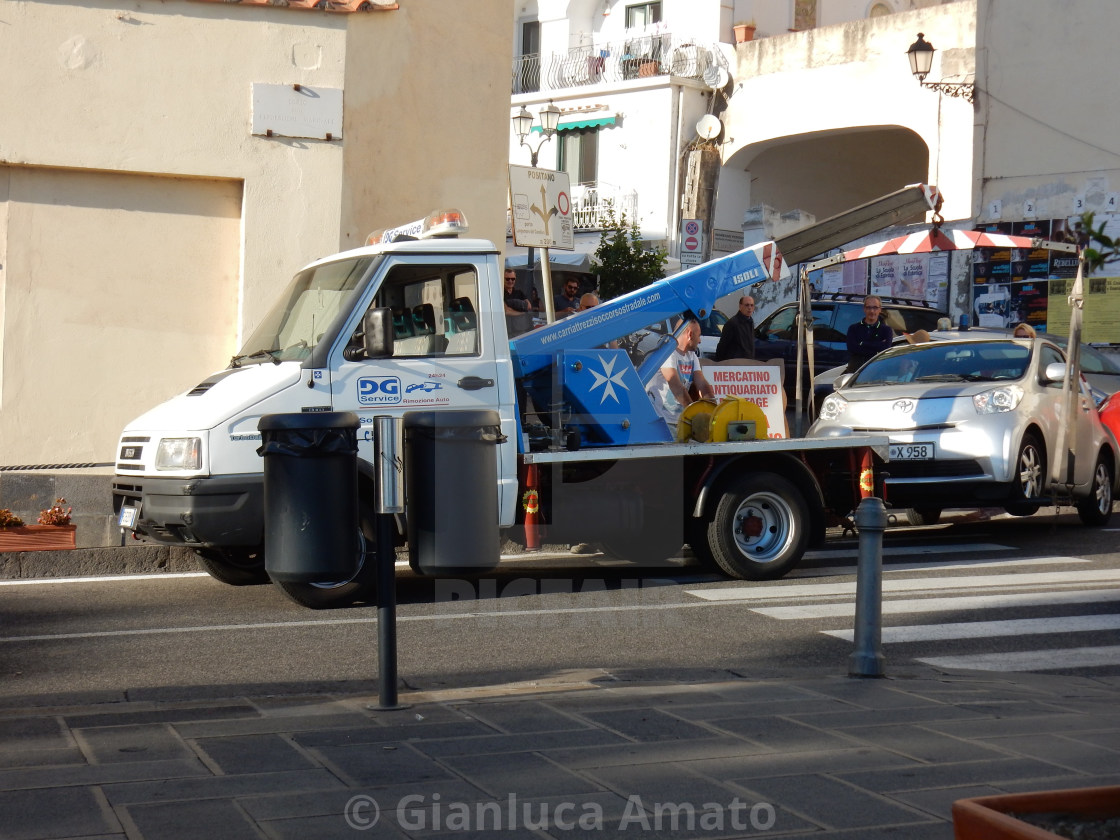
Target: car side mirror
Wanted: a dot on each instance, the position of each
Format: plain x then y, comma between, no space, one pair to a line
1054,372
375,336
841,380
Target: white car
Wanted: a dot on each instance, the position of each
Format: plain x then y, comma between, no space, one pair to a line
644,341
976,422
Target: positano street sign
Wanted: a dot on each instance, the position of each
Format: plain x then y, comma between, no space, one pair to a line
541,208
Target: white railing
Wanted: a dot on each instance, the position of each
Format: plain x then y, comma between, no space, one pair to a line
592,205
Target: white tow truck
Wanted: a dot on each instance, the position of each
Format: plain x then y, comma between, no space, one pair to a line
418,325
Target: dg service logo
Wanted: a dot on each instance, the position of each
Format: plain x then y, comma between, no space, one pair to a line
379,390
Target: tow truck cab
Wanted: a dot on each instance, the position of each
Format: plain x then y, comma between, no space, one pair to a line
188,472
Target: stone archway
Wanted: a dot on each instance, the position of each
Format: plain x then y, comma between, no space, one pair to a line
827,172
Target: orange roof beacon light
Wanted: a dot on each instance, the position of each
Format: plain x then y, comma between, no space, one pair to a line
441,223
447,223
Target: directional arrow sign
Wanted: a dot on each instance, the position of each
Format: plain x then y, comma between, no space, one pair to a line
541,208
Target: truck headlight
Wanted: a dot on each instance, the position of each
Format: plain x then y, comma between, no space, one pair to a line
179,454
998,400
832,407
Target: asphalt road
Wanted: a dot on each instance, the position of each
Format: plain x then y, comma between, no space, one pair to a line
949,591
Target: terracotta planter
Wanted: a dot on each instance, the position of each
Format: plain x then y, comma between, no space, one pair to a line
37,538
990,817
743,33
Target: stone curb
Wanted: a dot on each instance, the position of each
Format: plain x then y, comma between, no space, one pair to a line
81,562
136,559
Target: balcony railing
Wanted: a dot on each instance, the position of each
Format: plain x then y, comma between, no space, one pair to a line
638,57
592,203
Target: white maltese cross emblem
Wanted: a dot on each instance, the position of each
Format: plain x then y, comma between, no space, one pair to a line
608,379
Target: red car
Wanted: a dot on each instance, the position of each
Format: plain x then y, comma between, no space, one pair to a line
1109,411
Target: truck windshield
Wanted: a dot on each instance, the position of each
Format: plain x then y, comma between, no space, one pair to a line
305,310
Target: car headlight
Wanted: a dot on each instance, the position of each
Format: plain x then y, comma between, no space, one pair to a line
998,400
832,407
179,454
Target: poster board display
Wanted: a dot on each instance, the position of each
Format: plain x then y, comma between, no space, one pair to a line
1100,315
1012,286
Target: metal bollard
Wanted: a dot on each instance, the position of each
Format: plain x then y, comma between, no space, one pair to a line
388,448
867,659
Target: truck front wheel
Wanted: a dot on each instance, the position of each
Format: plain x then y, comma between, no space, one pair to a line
760,527
343,593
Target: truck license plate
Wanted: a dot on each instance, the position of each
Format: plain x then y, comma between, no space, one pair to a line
911,451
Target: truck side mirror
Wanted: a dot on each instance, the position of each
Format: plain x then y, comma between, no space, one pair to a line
375,336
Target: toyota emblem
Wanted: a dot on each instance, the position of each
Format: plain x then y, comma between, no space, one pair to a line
906,406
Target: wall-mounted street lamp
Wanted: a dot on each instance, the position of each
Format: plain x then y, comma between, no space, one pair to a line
523,124
921,60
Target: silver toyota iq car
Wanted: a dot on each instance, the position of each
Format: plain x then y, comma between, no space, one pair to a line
976,423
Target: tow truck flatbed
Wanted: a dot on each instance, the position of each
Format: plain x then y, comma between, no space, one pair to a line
879,444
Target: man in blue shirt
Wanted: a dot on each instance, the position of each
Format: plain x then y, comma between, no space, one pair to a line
869,336
567,301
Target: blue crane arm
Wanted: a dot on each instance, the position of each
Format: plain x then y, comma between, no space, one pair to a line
695,289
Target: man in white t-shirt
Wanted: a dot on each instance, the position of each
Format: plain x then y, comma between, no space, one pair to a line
669,387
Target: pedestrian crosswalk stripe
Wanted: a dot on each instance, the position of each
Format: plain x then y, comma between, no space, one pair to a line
906,550
828,571
986,629
1030,660
934,605
968,582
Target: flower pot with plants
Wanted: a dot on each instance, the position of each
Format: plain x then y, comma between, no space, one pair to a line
52,533
1084,813
744,31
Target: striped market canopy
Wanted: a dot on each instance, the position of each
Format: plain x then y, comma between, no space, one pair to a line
924,242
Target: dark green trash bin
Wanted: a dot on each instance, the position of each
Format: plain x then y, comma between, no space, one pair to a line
310,496
451,481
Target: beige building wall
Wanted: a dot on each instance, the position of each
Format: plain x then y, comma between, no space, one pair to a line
428,116
1048,101
144,229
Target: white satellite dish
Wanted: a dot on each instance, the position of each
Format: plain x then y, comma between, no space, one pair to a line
708,126
716,77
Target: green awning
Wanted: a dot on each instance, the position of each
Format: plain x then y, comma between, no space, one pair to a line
583,122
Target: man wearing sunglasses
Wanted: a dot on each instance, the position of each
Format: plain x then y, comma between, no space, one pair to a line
567,302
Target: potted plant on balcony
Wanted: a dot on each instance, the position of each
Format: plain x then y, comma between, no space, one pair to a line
54,531
1088,813
744,31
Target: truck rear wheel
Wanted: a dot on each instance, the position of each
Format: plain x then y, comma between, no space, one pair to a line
234,568
361,587
760,528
